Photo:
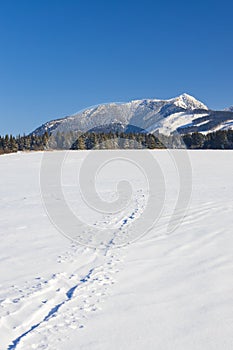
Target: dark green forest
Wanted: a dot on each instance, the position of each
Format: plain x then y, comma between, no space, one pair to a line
91,140
10,144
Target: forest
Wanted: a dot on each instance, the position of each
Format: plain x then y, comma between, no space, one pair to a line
91,140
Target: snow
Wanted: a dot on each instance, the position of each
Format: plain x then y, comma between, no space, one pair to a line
230,109
185,101
175,121
164,291
189,102
227,125
147,114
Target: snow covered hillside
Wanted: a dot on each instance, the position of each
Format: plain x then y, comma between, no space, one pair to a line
163,291
184,114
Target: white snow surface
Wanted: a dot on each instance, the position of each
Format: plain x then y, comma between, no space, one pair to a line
161,292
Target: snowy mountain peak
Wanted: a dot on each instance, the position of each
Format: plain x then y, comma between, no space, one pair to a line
189,102
184,101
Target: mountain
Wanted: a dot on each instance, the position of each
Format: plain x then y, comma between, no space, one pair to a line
229,109
183,114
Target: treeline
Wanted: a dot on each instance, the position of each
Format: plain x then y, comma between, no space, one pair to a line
75,140
222,139
91,140
113,140
121,140
10,144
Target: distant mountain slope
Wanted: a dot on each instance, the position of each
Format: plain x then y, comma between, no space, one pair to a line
182,114
229,109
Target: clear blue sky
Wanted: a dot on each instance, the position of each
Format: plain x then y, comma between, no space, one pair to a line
58,57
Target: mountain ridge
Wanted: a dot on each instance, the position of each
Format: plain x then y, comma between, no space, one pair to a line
182,114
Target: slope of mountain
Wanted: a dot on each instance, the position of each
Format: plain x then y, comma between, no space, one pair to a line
182,114
229,109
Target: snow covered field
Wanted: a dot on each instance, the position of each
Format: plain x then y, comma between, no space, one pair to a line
163,291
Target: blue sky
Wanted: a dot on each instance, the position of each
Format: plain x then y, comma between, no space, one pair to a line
58,57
